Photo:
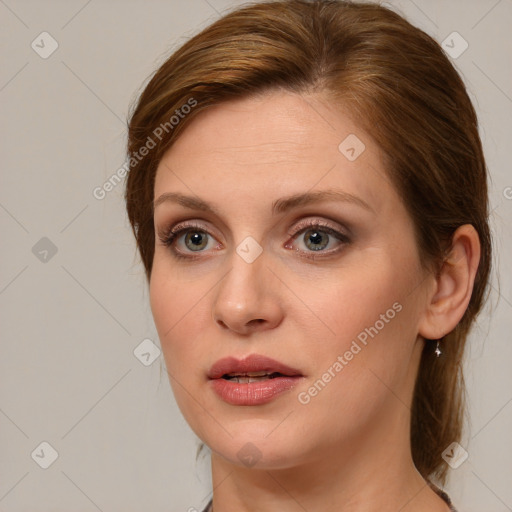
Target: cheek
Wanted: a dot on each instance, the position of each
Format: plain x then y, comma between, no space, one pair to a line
176,308
361,370
367,316
179,314
358,297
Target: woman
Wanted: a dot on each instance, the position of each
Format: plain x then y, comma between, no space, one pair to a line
308,194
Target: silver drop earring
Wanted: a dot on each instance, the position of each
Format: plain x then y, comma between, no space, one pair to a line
437,351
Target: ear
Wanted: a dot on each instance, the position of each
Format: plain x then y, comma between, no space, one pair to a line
452,289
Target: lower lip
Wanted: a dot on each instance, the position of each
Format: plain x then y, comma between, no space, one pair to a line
253,393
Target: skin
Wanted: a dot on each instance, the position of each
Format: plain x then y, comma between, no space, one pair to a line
348,447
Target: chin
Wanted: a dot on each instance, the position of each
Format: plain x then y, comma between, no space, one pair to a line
253,449
253,455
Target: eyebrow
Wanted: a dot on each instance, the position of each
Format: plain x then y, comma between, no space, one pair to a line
278,207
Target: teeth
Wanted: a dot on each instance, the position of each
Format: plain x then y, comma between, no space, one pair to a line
248,380
249,374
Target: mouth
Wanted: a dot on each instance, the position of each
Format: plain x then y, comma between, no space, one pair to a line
254,368
255,380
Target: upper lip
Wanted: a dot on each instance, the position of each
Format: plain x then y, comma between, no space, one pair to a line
252,363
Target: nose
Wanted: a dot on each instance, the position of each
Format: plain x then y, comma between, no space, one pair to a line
248,297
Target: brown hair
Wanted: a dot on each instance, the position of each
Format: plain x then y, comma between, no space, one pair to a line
400,87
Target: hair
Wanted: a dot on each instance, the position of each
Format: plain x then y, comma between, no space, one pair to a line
397,84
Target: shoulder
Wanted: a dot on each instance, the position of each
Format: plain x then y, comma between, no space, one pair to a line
436,489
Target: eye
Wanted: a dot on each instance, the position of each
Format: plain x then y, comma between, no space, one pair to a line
316,237
193,236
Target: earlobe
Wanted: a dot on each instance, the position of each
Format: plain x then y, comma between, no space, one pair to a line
453,285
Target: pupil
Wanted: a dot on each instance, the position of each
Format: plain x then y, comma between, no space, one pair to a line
316,238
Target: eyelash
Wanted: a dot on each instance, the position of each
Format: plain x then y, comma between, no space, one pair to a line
168,238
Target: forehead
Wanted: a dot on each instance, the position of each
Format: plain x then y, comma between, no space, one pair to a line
269,126
269,146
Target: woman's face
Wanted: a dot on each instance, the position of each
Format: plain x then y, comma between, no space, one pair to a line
329,285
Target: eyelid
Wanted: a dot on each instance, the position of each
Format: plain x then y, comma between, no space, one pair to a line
165,232
321,223
310,221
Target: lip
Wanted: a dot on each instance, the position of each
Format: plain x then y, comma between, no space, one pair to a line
252,363
253,393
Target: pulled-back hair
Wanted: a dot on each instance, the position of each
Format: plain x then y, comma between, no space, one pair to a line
397,84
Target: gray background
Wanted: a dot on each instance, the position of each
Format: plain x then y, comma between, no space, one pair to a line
70,321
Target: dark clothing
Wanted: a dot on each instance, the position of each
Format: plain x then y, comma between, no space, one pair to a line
445,497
